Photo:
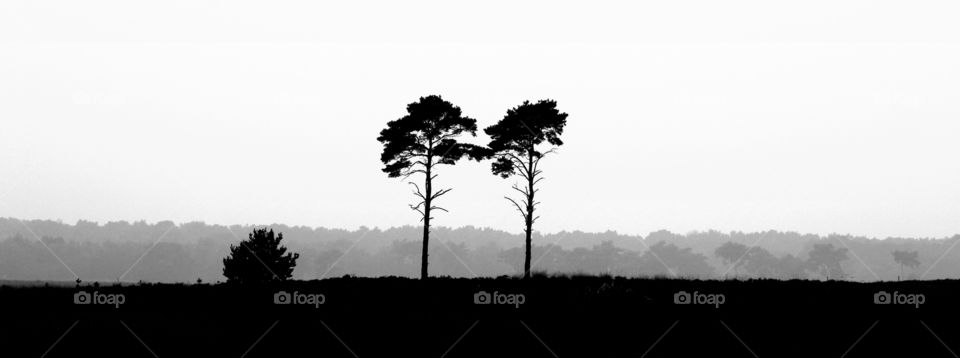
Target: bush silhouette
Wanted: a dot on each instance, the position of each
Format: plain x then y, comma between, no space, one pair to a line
259,259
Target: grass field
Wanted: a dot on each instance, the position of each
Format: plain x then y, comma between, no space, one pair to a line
491,317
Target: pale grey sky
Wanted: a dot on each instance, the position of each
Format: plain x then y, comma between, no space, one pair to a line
816,116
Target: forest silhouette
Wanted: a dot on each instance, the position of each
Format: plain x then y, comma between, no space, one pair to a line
192,251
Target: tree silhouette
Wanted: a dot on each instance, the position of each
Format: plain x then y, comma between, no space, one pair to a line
259,259
791,267
514,140
420,141
668,259
906,258
761,263
732,253
825,260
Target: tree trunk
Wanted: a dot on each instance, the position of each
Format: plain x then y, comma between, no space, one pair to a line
426,218
526,259
529,218
426,244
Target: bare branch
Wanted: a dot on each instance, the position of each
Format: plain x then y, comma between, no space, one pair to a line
438,208
418,193
407,173
411,154
517,205
440,192
417,209
513,157
420,162
536,163
518,164
522,191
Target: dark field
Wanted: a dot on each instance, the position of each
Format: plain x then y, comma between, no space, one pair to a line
557,316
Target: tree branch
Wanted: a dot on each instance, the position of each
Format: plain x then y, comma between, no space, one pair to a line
407,173
522,191
518,163
536,163
517,205
418,193
446,136
440,192
417,209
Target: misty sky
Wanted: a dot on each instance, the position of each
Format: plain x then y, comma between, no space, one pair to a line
815,116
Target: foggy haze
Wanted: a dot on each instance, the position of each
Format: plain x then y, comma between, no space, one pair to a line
830,118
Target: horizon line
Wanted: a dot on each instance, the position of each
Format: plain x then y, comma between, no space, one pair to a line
378,228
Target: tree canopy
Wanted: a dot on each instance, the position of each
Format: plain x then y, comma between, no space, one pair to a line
906,258
520,131
428,130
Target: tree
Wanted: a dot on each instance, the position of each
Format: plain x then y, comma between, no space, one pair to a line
906,258
512,257
791,267
259,259
418,143
825,260
761,263
732,253
668,259
513,142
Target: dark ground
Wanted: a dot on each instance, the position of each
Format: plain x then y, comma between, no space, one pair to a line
565,317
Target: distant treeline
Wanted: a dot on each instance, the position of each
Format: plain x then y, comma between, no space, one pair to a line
167,252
